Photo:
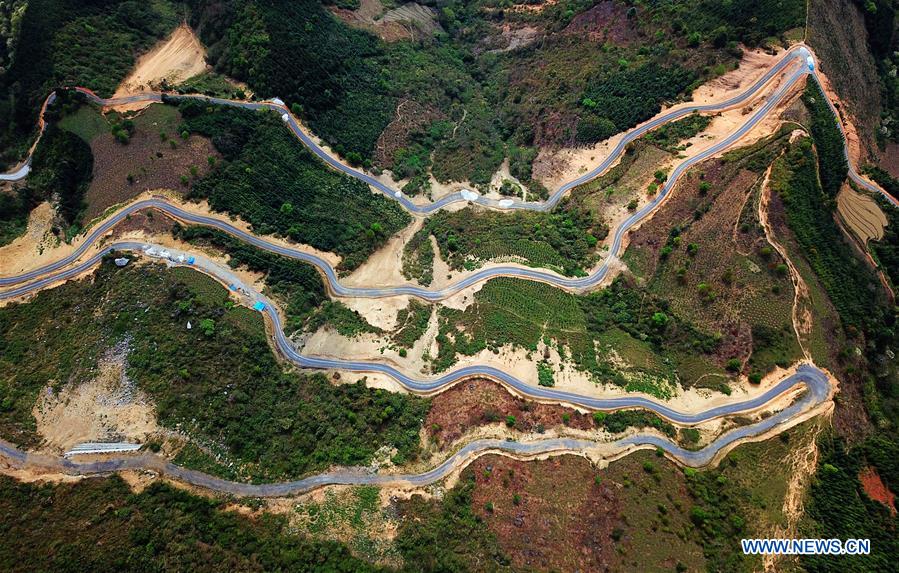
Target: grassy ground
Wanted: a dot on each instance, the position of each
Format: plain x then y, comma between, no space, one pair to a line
629,323
412,322
151,155
564,240
211,84
709,257
622,183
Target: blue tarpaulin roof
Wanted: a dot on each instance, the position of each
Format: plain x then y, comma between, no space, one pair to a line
190,260
260,306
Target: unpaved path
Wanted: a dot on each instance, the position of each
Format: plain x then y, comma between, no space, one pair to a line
803,463
802,314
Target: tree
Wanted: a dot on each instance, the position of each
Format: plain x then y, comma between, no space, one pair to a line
660,319
207,326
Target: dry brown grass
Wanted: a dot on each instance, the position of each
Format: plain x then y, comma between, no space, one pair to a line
152,162
861,214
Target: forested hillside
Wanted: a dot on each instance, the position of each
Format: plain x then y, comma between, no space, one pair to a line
90,43
585,71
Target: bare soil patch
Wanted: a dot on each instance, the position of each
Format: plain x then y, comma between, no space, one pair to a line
107,408
173,60
876,489
410,21
861,214
151,161
512,37
548,514
480,402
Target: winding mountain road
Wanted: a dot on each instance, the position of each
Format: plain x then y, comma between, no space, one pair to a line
815,382
573,284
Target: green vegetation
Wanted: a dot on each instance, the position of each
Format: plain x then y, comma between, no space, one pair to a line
280,49
210,84
225,389
355,510
14,210
62,167
106,527
808,213
522,313
886,250
448,535
86,122
486,104
883,42
341,318
418,258
670,135
617,422
73,43
297,284
627,98
564,240
545,374
832,165
839,508
623,183
690,436
735,284
268,178
412,322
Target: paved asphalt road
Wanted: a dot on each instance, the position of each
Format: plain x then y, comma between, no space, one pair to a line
576,284
815,383
814,380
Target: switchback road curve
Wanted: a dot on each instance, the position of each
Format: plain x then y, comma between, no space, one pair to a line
574,284
799,53
816,382
691,458
429,386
